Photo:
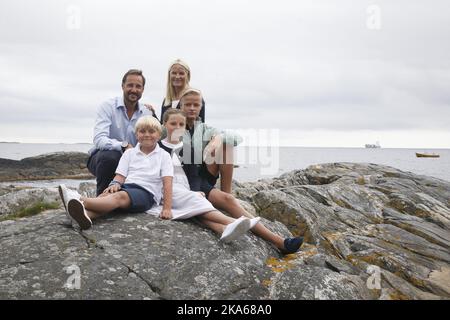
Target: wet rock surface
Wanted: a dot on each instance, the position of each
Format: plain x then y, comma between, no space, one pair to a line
372,232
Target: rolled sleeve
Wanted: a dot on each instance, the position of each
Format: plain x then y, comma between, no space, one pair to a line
228,137
231,138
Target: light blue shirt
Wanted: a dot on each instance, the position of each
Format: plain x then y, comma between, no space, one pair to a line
112,125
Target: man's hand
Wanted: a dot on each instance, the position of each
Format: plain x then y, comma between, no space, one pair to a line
166,214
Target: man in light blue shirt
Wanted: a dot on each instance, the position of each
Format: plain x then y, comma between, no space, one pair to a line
114,128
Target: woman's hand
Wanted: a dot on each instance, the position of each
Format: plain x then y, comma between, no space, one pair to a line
166,214
149,107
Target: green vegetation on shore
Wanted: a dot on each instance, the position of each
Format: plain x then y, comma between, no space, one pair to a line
31,211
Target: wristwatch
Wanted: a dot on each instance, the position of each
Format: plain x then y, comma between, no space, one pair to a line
124,145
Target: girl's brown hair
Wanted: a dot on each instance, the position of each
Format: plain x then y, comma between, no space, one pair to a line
172,111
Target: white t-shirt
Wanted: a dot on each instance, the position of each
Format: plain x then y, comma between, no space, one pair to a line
175,103
146,170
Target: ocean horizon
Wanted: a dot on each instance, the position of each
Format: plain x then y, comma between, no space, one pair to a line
262,162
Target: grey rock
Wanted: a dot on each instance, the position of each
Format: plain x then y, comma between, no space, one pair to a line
315,283
18,199
366,214
129,256
87,189
332,263
396,288
364,224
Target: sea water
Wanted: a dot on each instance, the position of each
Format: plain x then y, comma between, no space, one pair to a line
255,163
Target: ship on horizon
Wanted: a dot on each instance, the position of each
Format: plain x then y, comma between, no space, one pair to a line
373,146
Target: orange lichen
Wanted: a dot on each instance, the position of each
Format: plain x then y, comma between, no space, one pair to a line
373,259
361,180
308,251
397,295
280,265
267,282
332,236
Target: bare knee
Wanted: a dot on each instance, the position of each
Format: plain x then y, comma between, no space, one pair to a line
230,200
222,200
121,199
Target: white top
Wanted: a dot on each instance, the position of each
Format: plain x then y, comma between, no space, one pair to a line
146,170
175,103
185,203
179,175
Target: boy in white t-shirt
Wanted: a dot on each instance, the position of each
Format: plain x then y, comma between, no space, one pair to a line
142,173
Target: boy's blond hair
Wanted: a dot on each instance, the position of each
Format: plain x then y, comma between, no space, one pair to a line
148,122
190,92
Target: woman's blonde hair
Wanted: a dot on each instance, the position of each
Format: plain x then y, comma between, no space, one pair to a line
148,122
170,92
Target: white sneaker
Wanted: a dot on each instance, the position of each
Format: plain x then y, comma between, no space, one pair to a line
66,195
235,229
254,221
77,212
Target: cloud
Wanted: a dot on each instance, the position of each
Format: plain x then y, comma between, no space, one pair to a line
293,65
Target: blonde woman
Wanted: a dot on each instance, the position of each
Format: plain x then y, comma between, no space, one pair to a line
178,78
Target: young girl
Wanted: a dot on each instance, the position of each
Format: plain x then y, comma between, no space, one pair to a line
187,203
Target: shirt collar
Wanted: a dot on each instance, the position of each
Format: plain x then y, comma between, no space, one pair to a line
121,104
138,149
171,145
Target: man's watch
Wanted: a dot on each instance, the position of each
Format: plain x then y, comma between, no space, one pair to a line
124,145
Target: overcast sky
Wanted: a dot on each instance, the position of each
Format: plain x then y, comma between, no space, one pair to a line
323,73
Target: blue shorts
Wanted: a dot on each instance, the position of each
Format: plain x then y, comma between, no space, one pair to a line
208,181
141,199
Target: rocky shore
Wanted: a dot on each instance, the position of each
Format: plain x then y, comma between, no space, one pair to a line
372,232
58,165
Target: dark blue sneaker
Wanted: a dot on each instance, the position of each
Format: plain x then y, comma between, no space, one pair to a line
292,245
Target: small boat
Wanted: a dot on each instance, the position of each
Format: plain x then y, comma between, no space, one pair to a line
373,146
427,155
